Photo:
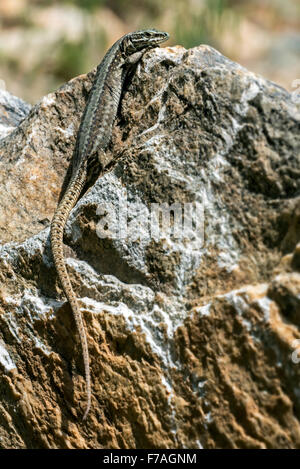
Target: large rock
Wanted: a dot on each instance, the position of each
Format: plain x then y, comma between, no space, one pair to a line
192,333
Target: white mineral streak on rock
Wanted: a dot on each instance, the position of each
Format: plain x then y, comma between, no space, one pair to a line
5,130
5,359
140,312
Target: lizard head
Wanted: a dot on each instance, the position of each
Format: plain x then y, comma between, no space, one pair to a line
145,39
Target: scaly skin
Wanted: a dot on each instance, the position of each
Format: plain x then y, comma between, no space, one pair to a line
94,134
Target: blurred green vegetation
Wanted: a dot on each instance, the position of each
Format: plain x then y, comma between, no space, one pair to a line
191,23
147,9
86,4
55,40
75,57
71,59
203,22
123,8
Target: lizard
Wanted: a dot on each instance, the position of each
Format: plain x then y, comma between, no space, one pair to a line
94,135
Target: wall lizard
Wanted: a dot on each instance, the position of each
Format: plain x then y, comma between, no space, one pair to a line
94,134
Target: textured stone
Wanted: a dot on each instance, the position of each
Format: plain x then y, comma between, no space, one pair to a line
12,111
33,160
192,340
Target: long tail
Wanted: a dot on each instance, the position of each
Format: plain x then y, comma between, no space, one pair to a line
57,228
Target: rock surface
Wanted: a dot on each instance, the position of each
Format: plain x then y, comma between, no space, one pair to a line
193,334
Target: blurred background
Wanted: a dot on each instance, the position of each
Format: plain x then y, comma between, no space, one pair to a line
44,43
